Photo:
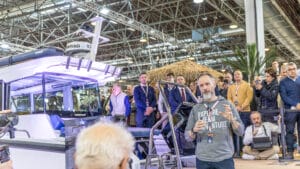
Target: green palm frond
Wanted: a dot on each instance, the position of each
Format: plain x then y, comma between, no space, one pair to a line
252,65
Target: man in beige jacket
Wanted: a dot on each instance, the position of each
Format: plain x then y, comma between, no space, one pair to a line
240,93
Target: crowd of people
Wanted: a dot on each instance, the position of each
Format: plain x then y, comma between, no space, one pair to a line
230,108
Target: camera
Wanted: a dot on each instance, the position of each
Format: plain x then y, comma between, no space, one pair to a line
4,153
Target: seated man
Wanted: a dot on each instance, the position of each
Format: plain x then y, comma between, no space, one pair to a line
103,146
259,129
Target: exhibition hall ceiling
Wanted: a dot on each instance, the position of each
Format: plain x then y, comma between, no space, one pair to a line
174,29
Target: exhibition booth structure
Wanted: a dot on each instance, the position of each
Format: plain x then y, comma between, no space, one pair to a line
52,97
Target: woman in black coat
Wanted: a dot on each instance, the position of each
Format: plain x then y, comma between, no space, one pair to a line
268,92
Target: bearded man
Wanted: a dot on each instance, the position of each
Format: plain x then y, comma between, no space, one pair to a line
212,123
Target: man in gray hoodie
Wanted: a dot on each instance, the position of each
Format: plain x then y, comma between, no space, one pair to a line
212,122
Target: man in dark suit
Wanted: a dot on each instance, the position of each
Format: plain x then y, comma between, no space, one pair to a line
289,89
179,95
145,101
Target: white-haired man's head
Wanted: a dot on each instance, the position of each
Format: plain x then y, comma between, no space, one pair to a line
103,146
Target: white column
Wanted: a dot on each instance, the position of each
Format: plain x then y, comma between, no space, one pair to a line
260,36
255,25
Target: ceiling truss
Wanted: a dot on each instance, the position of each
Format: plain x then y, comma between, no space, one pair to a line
168,24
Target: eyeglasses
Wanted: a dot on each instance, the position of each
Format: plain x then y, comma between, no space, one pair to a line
290,69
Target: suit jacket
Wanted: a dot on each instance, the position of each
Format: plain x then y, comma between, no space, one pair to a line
161,106
175,98
140,98
290,92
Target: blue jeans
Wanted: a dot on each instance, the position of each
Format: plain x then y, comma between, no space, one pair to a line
245,117
290,119
225,164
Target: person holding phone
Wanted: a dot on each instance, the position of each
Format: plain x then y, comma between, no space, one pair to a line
267,91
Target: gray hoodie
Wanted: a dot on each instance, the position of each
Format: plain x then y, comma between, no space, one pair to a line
221,147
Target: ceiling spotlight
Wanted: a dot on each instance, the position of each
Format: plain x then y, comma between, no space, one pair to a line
113,22
5,46
143,38
131,29
198,1
204,18
93,23
130,21
191,58
82,10
233,26
267,49
152,31
104,11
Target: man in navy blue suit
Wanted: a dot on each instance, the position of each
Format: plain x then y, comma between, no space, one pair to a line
289,89
145,101
179,95
176,97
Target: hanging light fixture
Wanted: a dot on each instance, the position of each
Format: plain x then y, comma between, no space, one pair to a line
233,26
104,11
143,38
198,1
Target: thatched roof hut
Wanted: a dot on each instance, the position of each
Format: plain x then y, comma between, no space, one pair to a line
189,69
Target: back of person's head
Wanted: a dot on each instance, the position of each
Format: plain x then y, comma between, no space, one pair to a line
103,146
170,74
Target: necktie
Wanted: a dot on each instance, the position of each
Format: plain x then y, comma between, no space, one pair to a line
182,94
